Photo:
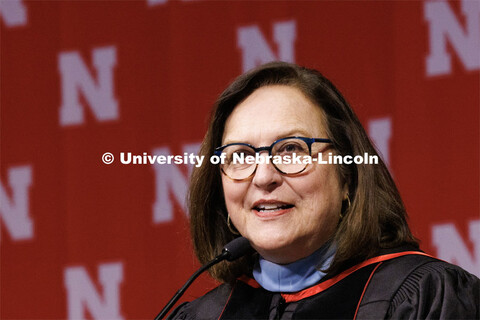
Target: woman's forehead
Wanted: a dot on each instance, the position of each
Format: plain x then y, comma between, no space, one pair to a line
274,112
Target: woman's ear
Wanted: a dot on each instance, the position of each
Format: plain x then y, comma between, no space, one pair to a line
345,191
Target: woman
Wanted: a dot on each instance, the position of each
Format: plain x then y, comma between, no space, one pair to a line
331,240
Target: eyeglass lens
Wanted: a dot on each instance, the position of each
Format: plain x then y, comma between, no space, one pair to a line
282,153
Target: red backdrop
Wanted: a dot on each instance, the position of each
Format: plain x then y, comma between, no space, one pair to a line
83,239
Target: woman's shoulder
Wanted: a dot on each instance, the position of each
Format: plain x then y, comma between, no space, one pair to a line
420,287
437,289
208,306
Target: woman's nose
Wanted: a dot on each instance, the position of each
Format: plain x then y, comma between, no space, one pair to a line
266,176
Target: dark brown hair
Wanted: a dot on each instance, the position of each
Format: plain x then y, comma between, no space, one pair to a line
376,218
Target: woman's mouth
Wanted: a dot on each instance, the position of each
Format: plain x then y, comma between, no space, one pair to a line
267,210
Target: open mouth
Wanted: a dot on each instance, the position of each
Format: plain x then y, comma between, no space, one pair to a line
272,207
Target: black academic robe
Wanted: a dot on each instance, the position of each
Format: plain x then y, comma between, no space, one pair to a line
405,285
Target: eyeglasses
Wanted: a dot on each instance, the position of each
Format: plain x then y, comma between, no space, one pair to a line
235,165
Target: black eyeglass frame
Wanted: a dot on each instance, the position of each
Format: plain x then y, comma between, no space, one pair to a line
308,141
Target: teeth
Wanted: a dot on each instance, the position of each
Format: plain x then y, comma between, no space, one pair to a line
271,207
268,206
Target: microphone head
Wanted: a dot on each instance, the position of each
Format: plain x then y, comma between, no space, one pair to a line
236,248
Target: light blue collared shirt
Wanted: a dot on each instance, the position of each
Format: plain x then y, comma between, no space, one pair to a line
294,276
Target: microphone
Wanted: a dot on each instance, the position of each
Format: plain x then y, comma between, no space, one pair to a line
233,250
236,248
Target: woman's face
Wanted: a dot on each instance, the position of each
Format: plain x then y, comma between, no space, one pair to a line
302,210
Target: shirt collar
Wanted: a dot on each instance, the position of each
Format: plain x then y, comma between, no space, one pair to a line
294,276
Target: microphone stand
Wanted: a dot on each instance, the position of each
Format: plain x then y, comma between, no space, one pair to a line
231,251
187,284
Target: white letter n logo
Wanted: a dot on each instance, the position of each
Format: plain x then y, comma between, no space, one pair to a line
452,248
14,13
82,295
14,210
98,94
255,49
443,26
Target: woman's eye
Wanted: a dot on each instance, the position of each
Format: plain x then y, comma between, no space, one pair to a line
290,148
238,155
244,152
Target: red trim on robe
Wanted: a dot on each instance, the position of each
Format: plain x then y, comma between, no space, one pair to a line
250,281
365,289
293,297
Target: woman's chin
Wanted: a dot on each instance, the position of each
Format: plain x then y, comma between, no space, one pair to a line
272,248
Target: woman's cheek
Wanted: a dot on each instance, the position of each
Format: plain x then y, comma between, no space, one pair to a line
234,194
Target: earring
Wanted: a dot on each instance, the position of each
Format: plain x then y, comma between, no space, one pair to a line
230,227
348,208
